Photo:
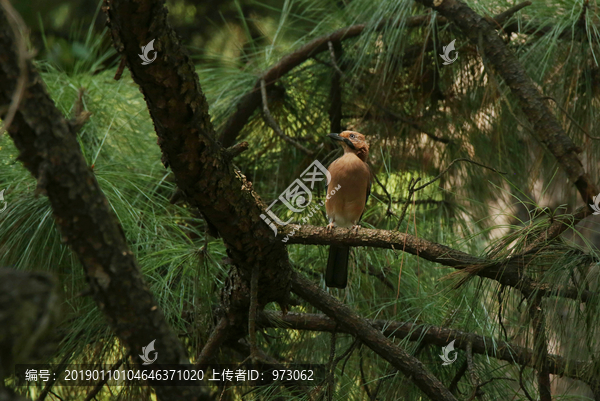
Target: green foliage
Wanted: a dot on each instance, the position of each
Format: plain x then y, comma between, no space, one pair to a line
83,52
167,240
387,68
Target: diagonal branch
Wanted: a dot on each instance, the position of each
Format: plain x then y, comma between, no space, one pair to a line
50,151
548,131
373,338
249,102
202,168
217,338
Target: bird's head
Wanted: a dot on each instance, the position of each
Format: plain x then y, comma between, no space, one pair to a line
353,142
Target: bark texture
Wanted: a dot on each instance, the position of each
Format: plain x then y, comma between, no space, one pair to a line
202,168
50,151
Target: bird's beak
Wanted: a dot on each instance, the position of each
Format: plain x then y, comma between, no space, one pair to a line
337,137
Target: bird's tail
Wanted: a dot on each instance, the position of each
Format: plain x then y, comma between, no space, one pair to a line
337,266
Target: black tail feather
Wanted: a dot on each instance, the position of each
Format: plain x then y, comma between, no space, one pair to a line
337,266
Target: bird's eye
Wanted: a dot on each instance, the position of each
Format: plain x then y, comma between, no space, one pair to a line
352,136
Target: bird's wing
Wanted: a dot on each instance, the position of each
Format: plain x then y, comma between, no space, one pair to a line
327,185
369,185
368,190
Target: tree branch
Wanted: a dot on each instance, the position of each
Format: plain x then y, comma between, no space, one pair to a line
273,124
15,22
475,380
235,150
504,16
548,131
250,101
218,336
438,336
540,347
506,272
456,379
202,168
371,337
50,151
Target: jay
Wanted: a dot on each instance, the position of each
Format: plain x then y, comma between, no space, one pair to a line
346,206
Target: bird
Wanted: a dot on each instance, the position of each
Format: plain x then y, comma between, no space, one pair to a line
347,194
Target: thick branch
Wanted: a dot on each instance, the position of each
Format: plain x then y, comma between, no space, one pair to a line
50,151
506,272
202,168
438,336
373,338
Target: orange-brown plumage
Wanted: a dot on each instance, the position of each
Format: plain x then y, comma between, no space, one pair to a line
352,175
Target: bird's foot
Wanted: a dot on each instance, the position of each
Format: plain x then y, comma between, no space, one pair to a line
330,226
355,228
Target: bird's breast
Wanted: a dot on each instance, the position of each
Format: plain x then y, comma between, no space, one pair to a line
351,176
